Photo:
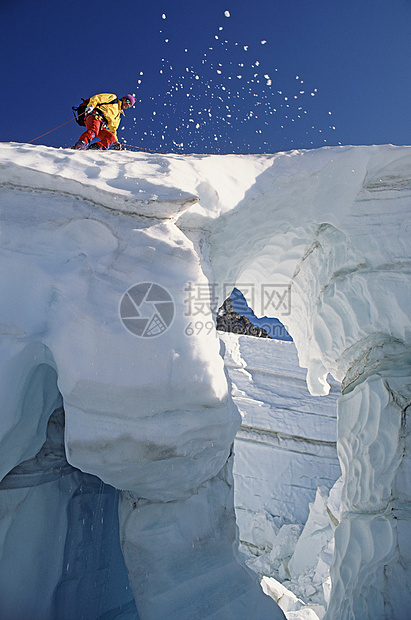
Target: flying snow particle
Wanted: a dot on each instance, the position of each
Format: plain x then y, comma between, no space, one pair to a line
227,13
263,42
163,16
246,48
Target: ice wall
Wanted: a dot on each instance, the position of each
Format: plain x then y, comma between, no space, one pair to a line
287,439
319,239
284,467
151,416
331,227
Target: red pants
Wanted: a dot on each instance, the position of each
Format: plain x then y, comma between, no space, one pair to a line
95,130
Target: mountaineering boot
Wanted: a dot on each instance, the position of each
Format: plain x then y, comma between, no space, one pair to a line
97,146
80,144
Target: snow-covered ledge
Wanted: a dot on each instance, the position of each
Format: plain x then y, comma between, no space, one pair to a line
322,237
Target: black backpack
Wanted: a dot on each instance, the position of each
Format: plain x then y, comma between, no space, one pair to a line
79,111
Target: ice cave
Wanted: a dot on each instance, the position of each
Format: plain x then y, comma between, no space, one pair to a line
153,468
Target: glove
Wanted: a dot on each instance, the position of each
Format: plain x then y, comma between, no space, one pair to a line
117,146
89,109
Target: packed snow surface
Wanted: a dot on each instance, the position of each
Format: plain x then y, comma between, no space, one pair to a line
113,265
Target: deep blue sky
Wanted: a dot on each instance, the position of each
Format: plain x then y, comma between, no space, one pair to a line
312,72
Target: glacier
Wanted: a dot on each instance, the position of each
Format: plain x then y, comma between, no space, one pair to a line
115,391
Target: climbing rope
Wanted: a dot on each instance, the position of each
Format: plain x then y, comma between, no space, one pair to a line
47,132
125,144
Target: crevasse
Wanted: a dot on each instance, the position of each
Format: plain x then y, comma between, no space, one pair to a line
319,239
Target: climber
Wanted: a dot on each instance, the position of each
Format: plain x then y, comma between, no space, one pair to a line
101,118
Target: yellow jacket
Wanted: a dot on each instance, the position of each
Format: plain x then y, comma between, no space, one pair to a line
112,111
